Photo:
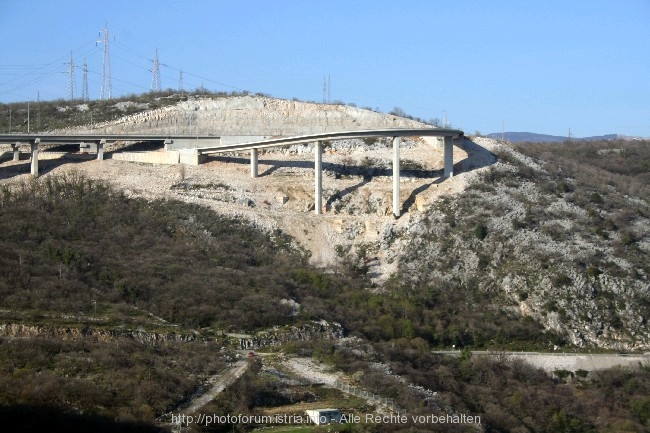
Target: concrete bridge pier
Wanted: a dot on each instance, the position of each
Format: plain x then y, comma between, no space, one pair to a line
34,146
254,172
16,151
318,177
396,202
449,156
100,150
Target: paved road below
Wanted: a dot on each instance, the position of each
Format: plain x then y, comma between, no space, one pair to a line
566,361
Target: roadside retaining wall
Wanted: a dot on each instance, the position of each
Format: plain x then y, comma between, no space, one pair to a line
570,362
584,362
162,157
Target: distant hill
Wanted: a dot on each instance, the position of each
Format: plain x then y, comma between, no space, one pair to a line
516,137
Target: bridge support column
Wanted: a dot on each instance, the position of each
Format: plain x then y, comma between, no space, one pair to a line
396,201
34,164
16,151
449,157
100,150
318,177
254,173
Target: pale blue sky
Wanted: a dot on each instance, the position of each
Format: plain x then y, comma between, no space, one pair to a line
538,66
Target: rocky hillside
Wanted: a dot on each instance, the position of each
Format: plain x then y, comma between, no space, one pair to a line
544,243
251,115
127,288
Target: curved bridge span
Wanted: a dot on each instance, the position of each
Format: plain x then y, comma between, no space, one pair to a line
192,149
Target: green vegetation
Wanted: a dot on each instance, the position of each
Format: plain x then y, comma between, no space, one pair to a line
509,395
119,379
600,167
80,264
73,245
79,257
75,252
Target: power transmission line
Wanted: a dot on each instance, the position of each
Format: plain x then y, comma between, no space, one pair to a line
327,94
37,72
202,78
84,86
185,73
107,88
144,88
71,80
155,79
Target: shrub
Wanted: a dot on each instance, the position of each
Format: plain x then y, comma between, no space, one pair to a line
562,280
480,231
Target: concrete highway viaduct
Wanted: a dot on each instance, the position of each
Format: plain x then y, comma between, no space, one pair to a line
193,149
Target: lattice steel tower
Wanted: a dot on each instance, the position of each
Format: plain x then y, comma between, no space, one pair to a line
107,87
155,79
84,84
71,81
327,94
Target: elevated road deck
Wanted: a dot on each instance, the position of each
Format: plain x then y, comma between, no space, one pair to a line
193,147
95,138
330,136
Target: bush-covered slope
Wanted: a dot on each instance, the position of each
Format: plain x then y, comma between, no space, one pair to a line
74,245
534,254
100,295
509,396
98,268
564,242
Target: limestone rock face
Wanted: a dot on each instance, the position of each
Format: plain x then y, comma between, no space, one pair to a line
19,331
320,330
535,259
255,116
